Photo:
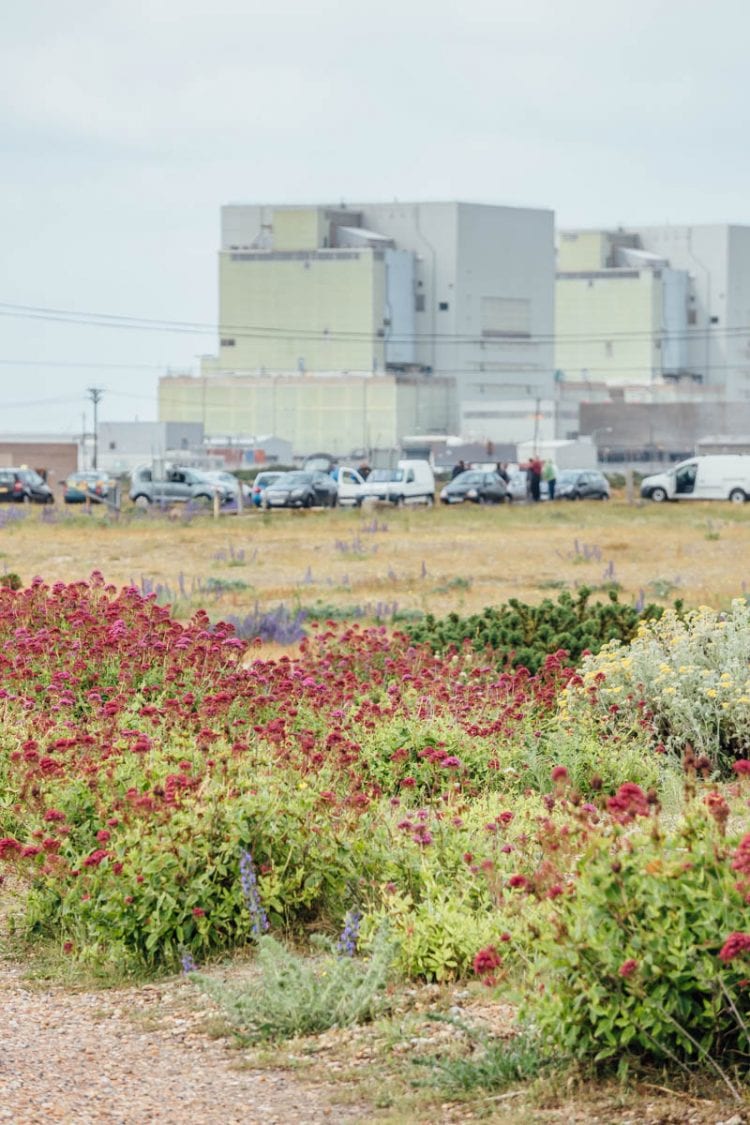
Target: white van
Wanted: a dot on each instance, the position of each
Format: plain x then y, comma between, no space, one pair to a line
717,476
411,482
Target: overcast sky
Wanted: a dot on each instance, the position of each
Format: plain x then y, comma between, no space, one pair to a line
124,125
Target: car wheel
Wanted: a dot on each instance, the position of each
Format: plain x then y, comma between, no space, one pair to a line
430,501
141,501
398,501
334,500
308,502
604,496
659,495
737,496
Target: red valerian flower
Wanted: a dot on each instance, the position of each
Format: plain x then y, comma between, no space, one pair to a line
95,858
54,814
486,961
559,773
735,945
742,767
8,845
627,968
628,802
198,912
741,861
718,809
519,882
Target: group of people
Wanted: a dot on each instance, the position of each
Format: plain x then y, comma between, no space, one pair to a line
536,471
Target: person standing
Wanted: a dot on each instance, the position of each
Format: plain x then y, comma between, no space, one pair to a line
549,474
535,478
458,468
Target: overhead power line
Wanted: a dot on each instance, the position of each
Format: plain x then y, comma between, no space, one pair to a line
145,324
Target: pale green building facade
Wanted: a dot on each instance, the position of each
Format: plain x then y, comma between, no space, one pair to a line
621,312
315,412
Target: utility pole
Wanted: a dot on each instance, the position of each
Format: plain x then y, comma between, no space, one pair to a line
95,394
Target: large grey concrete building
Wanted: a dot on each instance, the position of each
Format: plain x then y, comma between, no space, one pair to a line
434,295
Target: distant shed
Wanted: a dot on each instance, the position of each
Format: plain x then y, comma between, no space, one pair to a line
55,459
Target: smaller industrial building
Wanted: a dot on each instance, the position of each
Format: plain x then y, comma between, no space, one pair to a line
54,456
123,446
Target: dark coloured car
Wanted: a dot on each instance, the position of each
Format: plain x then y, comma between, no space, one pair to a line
80,487
477,487
581,484
24,486
299,489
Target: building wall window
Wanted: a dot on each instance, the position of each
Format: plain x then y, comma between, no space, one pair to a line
443,306
227,342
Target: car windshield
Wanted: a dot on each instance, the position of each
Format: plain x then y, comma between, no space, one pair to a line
266,478
294,479
567,476
469,477
30,476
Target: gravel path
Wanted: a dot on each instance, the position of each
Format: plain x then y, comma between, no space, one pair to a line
83,1059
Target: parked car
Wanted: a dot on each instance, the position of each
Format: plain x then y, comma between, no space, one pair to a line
233,483
581,484
176,486
260,484
24,486
715,476
411,482
518,486
320,463
477,487
80,487
299,489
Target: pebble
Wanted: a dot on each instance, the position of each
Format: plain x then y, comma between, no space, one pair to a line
66,1060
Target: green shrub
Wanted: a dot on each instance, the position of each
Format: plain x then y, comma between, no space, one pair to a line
520,634
493,1064
299,995
685,676
629,960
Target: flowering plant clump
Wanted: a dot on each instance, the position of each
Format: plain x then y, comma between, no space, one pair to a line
644,956
684,679
143,760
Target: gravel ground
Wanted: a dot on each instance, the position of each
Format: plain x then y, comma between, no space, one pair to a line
83,1059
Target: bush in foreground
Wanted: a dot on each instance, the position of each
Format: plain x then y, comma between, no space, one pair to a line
648,955
684,679
300,995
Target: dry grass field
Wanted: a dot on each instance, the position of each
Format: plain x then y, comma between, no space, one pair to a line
431,560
